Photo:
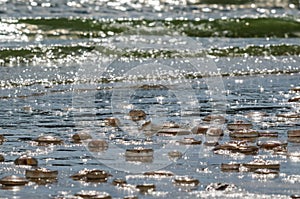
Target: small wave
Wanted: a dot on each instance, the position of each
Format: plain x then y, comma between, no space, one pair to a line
70,28
58,53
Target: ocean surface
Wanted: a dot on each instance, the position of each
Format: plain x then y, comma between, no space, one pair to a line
66,66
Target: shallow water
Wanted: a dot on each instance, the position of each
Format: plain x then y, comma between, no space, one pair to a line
66,66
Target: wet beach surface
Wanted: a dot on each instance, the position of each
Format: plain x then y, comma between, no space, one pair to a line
25,118
101,95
